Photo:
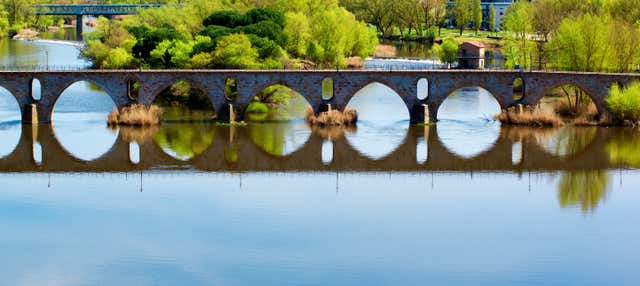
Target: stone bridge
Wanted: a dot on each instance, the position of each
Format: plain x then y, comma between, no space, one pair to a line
345,84
516,150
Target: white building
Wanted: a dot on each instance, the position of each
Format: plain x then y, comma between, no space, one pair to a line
500,7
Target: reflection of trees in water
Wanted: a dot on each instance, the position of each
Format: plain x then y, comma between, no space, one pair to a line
566,141
583,188
185,141
623,148
279,139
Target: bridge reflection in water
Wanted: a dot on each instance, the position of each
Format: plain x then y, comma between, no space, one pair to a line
234,149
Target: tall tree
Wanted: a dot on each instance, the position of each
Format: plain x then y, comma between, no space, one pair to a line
18,10
477,15
491,21
462,12
517,22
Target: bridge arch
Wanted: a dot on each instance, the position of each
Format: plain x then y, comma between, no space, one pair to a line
461,99
185,100
596,97
35,89
80,111
360,86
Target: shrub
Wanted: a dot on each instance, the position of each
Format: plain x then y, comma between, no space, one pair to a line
529,117
135,115
257,107
624,103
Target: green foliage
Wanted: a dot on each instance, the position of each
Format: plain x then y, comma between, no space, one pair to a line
477,15
257,107
491,21
448,51
624,103
203,34
118,58
517,22
235,51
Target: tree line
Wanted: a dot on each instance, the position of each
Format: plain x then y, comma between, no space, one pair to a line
591,35
232,34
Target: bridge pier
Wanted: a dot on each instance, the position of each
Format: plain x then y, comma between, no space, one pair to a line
79,26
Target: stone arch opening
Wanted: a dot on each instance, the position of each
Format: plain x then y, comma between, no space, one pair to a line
184,101
570,102
231,88
423,89
35,89
277,103
134,153
80,112
327,88
133,89
466,115
36,150
327,151
518,89
472,103
10,122
383,121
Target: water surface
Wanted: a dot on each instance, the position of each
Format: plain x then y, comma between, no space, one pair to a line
462,202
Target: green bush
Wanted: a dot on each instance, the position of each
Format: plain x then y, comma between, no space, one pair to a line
624,103
257,107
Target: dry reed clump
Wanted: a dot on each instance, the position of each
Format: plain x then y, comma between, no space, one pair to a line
138,134
385,51
529,117
332,132
135,115
332,117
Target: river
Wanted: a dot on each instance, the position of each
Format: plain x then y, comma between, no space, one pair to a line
463,202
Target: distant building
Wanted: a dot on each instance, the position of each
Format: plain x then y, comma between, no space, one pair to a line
471,55
500,7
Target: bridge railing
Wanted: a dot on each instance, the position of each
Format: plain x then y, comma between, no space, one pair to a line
44,67
91,9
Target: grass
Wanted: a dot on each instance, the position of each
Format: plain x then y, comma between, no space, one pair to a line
334,117
135,115
529,117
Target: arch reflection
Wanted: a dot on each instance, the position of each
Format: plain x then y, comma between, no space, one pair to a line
80,113
184,141
383,121
279,139
10,124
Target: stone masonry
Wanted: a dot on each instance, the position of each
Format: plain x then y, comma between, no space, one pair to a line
441,83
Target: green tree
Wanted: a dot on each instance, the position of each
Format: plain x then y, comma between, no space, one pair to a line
448,51
462,10
235,51
477,15
18,11
491,21
517,22
580,43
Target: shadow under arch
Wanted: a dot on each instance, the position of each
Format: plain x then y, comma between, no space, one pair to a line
383,121
466,127
593,100
80,114
185,101
10,122
277,103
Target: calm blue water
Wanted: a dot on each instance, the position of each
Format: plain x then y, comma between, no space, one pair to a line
465,225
